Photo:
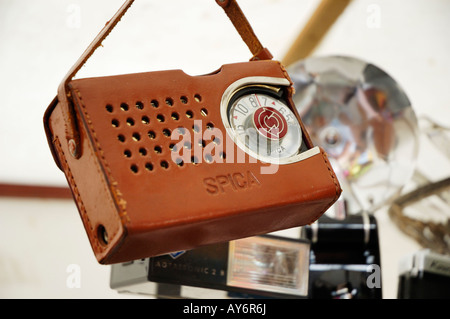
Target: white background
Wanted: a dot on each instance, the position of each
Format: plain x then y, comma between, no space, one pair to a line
40,40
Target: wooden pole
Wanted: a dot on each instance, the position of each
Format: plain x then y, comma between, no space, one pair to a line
34,191
315,29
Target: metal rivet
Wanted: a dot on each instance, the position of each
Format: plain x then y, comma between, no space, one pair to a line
73,148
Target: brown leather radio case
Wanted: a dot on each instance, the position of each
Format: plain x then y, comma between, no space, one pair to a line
115,138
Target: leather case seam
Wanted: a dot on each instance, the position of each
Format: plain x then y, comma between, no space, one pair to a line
120,202
75,190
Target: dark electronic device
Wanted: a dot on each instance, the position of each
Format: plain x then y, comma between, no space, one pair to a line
345,258
424,275
335,259
260,266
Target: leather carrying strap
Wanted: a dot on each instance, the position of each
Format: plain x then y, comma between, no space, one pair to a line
244,28
72,134
230,7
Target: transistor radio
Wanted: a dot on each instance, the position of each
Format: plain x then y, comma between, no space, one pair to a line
163,161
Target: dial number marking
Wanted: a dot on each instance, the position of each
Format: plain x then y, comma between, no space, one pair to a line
265,125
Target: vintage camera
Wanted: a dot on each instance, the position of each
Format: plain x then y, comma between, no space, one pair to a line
424,275
345,258
335,259
260,266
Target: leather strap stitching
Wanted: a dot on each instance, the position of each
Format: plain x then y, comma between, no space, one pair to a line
117,194
240,22
64,97
231,8
75,191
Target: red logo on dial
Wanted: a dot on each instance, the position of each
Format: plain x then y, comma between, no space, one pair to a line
270,123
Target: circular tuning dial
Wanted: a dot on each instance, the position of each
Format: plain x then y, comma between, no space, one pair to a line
264,125
270,123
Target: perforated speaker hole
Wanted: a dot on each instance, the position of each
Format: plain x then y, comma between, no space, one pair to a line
160,118
167,132
194,160
145,119
175,116
143,151
149,166
139,105
136,137
124,107
169,101
187,145
208,158
165,164
134,168
179,162
154,103
130,121
181,130
127,153
158,149
143,129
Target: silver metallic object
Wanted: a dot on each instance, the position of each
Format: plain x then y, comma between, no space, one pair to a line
260,266
268,264
364,121
257,118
